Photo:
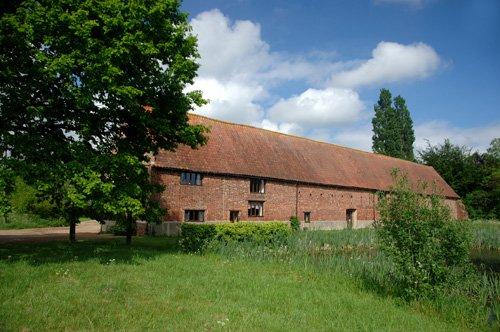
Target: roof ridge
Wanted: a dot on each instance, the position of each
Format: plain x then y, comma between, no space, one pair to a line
305,138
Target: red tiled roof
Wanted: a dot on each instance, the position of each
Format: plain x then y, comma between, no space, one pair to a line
248,151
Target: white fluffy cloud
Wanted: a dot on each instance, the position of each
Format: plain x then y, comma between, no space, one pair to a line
318,108
391,62
477,138
434,132
239,71
229,50
230,100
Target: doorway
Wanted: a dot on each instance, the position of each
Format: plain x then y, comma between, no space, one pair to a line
350,217
307,217
234,216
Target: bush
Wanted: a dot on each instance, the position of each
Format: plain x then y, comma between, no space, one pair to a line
294,223
195,237
119,228
417,233
24,200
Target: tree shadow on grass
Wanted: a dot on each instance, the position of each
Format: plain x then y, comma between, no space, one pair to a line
103,250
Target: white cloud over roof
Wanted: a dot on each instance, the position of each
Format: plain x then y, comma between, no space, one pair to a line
239,72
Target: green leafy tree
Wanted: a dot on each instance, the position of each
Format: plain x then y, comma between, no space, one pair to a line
130,196
86,79
494,149
7,187
393,127
474,176
416,232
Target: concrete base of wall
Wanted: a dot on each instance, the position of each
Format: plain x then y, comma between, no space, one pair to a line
172,228
169,228
341,224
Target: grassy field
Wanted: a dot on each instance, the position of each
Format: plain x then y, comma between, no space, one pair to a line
320,281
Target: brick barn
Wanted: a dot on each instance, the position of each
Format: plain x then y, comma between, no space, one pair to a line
245,173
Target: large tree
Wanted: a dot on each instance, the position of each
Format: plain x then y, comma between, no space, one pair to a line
393,127
474,176
83,80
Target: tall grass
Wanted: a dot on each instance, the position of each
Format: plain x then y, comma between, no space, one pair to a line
354,253
486,233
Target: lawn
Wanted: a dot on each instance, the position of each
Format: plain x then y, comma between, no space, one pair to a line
105,285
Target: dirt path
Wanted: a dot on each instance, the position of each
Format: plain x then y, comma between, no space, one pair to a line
85,229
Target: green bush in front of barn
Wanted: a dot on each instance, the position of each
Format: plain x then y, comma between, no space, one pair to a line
196,237
428,248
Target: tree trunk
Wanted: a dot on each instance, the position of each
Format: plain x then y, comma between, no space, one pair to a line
130,229
72,230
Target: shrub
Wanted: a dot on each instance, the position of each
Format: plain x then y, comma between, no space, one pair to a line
417,233
121,229
24,199
294,223
195,237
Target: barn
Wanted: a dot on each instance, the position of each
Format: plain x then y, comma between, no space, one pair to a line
246,173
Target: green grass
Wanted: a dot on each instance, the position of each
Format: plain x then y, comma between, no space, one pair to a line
486,233
320,281
23,220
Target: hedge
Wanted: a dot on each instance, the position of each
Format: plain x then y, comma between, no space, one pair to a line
195,237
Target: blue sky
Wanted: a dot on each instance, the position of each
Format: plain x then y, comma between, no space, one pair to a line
314,68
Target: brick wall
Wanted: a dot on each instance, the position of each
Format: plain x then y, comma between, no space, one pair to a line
218,195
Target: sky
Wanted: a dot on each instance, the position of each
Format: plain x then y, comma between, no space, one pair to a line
315,68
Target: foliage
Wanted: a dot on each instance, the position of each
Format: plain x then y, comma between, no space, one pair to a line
84,81
26,200
427,247
393,127
294,223
6,189
120,229
25,220
474,176
196,237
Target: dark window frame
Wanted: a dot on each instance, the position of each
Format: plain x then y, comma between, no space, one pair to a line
254,210
194,215
191,178
257,186
307,216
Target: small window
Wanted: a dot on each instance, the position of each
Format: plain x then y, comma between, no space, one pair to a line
234,216
307,217
191,178
194,215
257,186
255,209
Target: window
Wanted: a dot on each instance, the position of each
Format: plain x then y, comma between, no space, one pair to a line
234,215
194,215
191,178
307,217
255,209
257,186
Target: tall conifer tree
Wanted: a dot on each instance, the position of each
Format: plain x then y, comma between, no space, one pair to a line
392,127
